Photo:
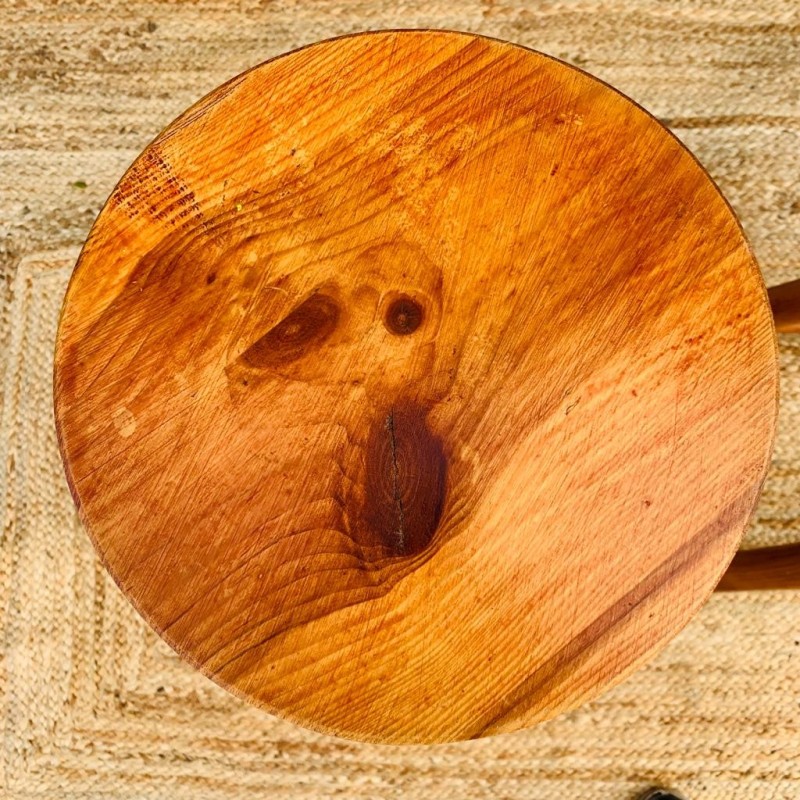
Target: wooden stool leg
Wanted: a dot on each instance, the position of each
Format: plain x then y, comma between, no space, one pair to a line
771,567
764,568
785,302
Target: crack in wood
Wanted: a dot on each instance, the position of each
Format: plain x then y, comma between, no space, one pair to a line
398,498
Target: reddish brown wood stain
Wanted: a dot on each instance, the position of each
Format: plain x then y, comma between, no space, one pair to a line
416,386
298,334
405,481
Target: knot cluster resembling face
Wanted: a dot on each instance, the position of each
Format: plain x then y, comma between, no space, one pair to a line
356,343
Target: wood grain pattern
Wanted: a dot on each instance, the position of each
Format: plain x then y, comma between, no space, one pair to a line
416,386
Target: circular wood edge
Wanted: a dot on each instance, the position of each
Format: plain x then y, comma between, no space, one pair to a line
287,714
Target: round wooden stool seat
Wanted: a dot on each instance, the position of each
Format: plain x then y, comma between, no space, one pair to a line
416,386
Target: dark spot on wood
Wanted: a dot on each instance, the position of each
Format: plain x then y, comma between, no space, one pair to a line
403,316
302,330
406,470
210,278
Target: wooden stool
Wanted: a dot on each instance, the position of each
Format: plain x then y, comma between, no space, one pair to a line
417,386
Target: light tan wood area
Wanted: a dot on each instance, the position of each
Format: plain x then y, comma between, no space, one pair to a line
416,386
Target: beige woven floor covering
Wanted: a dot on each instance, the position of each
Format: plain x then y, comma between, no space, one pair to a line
93,704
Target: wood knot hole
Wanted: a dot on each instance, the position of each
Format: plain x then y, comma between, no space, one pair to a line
403,316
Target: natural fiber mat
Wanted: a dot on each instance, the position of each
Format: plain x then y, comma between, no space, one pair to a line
93,704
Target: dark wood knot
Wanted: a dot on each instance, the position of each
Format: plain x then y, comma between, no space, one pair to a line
406,470
403,316
305,327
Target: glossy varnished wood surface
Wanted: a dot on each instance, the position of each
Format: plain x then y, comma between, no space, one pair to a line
416,386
